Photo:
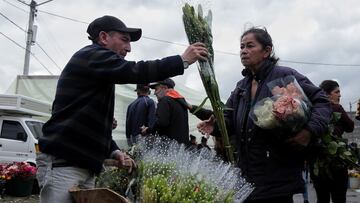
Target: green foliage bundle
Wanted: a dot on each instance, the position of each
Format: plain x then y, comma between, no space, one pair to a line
116,179
160,183
333,154
198,29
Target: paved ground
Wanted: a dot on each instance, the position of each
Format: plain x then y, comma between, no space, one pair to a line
30,199
353,196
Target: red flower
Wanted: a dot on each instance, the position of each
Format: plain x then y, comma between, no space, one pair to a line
21,170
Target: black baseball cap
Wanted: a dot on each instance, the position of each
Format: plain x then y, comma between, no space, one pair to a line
111,23
142,87
167,82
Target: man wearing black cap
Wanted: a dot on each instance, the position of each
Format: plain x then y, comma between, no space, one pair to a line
140,112
77,138
171,113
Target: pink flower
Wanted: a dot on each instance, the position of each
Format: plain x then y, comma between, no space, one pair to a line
293,91
18,170
285,106
290,90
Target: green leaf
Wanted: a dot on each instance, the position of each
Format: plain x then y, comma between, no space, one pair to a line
347,153
201,105
342,144
200,11
336,116
208,19
332,147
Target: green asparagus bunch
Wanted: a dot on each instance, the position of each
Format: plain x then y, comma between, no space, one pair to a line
198,29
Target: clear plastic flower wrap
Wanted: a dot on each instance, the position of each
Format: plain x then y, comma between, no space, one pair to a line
288,107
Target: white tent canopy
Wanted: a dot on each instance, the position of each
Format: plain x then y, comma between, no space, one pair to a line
43,88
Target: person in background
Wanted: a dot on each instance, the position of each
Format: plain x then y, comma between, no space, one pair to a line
203,144
305,175
140,112
357,114
193,140
77,138
354,147
334,187
193,143
272,164
171,113
114,124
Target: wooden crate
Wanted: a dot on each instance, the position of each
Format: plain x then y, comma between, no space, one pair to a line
103,195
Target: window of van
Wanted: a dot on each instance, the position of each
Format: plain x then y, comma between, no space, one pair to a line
35,128
11,130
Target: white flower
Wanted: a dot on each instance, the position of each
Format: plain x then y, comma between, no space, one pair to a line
264,115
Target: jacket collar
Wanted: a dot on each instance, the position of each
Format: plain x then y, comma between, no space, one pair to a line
261,74
173,94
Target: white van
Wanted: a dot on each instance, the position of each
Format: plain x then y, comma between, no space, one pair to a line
19,129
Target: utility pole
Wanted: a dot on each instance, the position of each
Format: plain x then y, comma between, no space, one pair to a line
30,39
350,106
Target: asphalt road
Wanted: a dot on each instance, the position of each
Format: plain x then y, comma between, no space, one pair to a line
352,196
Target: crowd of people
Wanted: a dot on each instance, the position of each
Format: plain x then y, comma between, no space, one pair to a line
78,136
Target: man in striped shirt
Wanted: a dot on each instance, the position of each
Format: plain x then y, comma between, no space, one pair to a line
77,138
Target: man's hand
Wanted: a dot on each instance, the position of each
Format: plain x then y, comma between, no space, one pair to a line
144,130
207,127
301,139
195,52
124,160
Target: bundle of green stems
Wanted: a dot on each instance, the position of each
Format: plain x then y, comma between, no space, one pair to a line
198,29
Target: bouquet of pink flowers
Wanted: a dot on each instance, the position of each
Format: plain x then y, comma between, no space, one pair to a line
21,170
287,108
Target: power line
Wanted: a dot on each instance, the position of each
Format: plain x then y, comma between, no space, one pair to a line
12,22
218,51
321,64
222,52
16,6
60,16
23,2
32,54
48,56
281,60
35,42
44,2
165,41
50,37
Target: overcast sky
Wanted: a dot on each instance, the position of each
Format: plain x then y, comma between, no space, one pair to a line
310,31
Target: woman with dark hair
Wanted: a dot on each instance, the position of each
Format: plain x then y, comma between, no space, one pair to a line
344,124
335,186
267,159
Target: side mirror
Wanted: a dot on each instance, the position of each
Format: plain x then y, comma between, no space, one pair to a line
22,136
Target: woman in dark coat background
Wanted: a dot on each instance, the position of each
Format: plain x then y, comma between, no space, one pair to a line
336,186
